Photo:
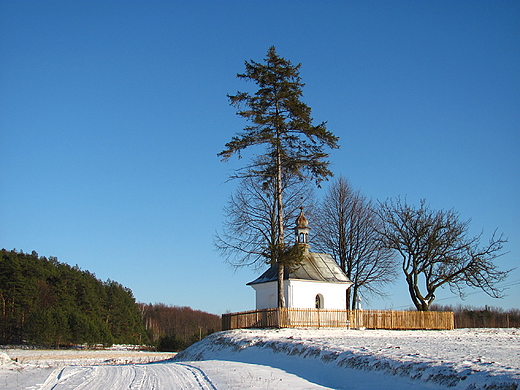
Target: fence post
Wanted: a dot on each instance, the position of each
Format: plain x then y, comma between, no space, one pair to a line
225,322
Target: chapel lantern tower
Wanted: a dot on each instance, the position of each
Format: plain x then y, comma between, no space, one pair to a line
302,230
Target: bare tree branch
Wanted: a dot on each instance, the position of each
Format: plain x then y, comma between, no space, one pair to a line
250,227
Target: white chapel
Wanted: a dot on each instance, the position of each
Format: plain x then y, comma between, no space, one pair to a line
318,283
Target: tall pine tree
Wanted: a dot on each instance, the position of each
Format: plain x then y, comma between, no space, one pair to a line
281,123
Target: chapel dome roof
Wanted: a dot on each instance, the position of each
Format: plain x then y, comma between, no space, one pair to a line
301,221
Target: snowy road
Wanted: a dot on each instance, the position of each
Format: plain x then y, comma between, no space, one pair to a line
145,376
92,370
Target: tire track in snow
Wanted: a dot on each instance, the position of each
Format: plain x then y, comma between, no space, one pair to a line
200,376
140,376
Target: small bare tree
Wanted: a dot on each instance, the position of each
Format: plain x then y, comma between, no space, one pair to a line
436,250
250,229
347,227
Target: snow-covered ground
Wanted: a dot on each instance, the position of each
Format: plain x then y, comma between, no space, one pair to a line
281,359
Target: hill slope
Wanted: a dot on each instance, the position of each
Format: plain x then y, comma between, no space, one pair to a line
460,359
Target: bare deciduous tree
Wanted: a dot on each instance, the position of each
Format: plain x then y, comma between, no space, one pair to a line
436,250
251,225
347,227
173,328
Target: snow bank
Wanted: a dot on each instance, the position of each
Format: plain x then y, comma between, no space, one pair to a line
4,359
468,359
7,363
65,357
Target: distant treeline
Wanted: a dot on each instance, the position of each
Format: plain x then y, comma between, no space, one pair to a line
486,317
47,303
173,328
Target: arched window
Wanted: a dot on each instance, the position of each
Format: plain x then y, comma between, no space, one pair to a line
319,301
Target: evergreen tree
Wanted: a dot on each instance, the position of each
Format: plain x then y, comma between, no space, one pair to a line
281,123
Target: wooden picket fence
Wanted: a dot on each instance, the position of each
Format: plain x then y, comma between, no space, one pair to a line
323,318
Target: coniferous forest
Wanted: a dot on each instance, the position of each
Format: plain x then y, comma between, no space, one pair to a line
47,303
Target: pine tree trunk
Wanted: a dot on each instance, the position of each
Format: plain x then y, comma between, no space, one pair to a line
281,238
281,293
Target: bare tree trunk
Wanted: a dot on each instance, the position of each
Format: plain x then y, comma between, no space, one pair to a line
354,296
349,299
343,250
419,302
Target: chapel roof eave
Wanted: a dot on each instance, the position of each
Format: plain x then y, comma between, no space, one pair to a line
320,267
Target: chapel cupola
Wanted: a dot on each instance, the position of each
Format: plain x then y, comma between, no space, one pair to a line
302,229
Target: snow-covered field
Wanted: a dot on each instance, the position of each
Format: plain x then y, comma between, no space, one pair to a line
286,359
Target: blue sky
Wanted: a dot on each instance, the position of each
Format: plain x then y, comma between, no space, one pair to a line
112,114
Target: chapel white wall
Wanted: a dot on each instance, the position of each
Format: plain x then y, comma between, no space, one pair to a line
301,294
